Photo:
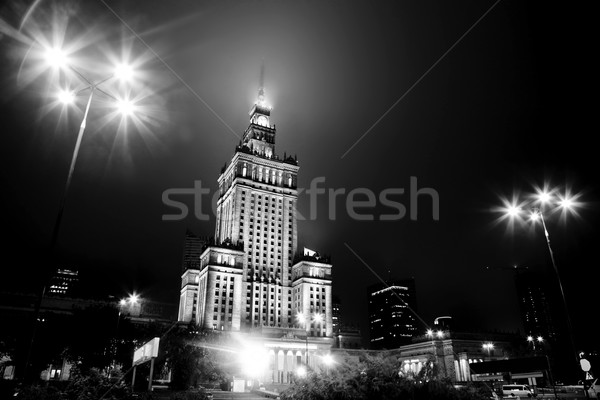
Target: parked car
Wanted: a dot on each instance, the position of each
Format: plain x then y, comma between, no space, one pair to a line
517,390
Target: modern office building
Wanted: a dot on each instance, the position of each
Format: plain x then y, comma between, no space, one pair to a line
392,306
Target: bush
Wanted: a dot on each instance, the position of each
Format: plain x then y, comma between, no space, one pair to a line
192,394
90,386
37,392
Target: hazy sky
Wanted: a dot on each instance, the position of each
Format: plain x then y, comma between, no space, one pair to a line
480,108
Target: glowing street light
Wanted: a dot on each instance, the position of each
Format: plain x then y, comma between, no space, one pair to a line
66,97
543,199
328,360
532,340
254,360
126,107
301,318
301,372
489,347
123,72
513,211
134,298
56,58
318,318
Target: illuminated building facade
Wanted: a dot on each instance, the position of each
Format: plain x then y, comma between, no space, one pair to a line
532,290
63,282
251,278
391,322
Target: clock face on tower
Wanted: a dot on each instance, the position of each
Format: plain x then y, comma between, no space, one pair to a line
262,120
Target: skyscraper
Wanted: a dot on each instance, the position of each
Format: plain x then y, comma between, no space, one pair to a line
391,321
63,282
192,249
336,305
533,289
251,275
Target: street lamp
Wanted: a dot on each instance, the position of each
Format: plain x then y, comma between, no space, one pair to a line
532,340
328,361
302,319
57,59
536,213
134,298
489,347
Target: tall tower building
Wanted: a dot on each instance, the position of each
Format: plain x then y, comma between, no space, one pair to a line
251,276
536,311
336,314
192,249
391,321
63,282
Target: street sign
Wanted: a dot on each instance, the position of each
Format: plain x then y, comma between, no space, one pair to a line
146,352
585,365
588,376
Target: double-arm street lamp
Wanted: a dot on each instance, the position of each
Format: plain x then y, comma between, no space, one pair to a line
542,202
302,319
533,340
488,347
57,59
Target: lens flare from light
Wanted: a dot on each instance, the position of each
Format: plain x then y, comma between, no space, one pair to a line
126,107
544,197
56,58
535,216
123,72
66,97
254,360
513,211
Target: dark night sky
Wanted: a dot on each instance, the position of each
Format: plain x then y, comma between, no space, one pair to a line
504,109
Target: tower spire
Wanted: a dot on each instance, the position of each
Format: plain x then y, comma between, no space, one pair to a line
261,84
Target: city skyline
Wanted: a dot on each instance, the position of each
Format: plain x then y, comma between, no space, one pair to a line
474,129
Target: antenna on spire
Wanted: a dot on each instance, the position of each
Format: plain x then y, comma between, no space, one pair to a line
261,84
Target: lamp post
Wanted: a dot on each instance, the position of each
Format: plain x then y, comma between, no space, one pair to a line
536,213
489,347
302,319
57,59
328,361
532,340
540,340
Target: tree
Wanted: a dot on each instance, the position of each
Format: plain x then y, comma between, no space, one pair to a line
375,377
192,355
